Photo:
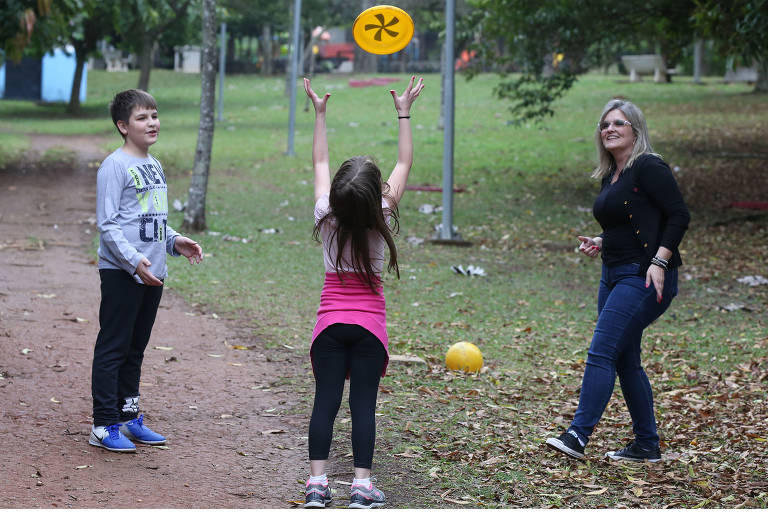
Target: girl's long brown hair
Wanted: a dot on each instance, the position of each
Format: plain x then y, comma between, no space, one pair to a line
355,210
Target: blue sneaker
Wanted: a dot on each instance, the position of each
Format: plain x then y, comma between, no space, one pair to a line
110,438
136,431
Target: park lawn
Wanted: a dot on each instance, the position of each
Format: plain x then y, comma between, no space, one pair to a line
446,439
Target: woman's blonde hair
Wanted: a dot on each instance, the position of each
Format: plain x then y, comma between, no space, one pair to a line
642,145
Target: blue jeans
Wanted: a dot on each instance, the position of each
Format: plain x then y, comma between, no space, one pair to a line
625,307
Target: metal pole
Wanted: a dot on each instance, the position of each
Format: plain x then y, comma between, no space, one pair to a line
448,90
697,46
222,64
294,73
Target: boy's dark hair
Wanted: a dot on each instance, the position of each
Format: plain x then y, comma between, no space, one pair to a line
123,103
355,208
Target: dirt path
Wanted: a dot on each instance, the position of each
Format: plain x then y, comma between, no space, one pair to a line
231,442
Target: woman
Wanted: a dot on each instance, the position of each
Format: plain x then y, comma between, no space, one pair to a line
643,217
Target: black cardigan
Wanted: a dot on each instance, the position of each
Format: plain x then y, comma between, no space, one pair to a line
655,207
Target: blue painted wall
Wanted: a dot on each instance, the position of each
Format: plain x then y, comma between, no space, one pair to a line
58,73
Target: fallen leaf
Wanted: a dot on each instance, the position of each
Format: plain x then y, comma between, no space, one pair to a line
597,492
273,431
26,351
55,401
239,347
215,355
163,348
46,295
85,466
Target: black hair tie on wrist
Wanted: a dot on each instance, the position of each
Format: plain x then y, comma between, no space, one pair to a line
403,117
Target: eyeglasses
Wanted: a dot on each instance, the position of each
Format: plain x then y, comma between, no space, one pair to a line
618,123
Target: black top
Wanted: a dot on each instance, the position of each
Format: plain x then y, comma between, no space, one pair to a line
620,243
640,212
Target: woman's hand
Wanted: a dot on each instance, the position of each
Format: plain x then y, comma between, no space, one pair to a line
404,101
319,103
655,275
590,246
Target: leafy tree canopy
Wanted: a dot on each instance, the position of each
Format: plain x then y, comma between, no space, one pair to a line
551,42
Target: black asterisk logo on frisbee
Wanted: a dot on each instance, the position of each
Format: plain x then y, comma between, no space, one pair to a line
382,26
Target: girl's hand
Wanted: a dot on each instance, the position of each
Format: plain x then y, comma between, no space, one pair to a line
318,102
403,102
590,246
655,275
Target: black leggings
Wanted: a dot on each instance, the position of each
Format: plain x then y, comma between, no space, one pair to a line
339,350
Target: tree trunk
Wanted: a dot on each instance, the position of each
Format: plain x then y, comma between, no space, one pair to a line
761,85
266,50
74,98
145,60
194,216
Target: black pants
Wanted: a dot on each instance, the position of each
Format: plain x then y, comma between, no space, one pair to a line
126,316
339,350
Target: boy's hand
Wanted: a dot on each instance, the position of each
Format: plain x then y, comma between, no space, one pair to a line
403,102
318,102
188,248
147,277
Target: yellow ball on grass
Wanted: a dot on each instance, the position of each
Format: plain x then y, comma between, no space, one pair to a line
464,356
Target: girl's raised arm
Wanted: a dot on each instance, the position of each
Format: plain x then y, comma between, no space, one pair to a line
399,176
320,143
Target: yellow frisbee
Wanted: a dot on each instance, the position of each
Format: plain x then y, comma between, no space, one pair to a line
383,29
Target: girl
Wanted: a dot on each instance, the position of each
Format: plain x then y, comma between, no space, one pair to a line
353,215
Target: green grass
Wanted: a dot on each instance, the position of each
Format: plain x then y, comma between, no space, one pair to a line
528,194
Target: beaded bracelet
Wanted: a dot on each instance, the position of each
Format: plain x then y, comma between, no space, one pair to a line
660,262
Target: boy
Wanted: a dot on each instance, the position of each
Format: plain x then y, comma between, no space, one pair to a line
132,214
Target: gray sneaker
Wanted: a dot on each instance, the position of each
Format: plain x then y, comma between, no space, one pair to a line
366,497
317,496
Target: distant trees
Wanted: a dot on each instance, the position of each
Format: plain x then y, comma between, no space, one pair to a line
19,19
142,23
82,23
740,27
551,42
